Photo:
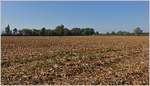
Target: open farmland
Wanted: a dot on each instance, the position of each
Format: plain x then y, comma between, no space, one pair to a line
75,60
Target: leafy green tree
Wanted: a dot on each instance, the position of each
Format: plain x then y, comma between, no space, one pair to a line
43,32
7,30
59,31
137,31
87,31
76,31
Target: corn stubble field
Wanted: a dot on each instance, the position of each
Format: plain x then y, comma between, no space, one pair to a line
75,60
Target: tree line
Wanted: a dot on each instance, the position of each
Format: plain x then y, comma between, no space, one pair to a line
60,30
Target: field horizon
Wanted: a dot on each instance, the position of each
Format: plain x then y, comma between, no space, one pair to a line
75,42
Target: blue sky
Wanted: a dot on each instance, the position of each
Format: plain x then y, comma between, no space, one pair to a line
103,16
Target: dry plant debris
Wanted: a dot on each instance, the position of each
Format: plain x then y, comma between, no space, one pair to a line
75,60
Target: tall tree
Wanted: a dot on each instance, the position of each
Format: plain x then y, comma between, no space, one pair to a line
7,30
59,30
43,31
137,31
15,31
